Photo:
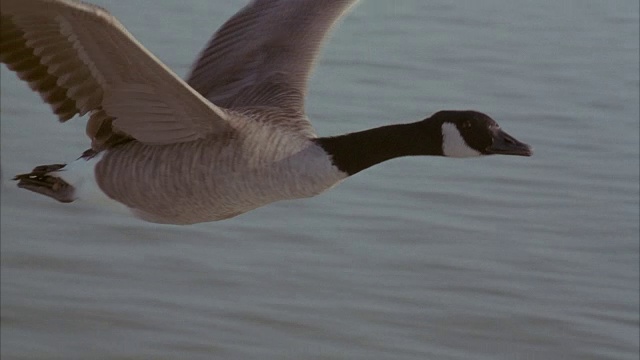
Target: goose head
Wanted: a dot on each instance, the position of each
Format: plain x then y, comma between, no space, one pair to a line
445,133
472,133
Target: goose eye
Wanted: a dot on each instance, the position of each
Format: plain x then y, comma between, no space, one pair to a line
466,124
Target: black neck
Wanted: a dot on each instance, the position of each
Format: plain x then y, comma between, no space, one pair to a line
357,151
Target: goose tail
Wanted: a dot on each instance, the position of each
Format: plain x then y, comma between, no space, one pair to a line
44,180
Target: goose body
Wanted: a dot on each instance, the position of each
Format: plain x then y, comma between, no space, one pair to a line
229,139
217,177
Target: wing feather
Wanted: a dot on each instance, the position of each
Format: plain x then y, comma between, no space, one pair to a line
81,60
264,54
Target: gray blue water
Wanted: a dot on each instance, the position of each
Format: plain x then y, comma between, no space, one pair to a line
417,258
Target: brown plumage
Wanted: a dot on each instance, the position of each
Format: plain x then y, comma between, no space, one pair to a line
231,138
82,60
144,120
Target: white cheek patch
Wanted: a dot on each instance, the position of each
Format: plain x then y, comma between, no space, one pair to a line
453,144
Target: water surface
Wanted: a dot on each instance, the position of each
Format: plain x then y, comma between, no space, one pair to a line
419,258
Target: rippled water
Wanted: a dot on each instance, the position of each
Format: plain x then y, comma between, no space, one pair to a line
419,258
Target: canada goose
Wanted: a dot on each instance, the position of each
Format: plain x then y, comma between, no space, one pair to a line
232,137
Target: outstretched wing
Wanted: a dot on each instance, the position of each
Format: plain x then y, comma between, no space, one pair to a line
264,54
82,60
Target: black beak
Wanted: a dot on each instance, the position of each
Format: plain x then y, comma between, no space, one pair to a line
506,144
